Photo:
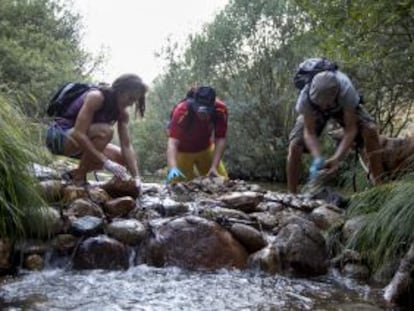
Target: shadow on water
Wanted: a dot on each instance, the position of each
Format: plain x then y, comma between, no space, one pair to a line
149,288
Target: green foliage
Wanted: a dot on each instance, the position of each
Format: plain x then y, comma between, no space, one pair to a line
248,53
39,50
373,40
19,197
387,232
147,137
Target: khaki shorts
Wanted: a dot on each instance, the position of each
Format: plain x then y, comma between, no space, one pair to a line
321,120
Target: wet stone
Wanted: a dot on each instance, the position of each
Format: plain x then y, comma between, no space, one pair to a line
127,231
101,252
87,226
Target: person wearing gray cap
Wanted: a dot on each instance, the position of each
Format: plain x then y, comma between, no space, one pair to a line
330,94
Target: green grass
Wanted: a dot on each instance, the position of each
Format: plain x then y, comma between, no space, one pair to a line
388,230
20,201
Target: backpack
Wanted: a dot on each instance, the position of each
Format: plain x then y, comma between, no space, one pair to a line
64,96
201,96
309,68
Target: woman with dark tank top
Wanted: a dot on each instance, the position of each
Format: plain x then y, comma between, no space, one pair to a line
86,129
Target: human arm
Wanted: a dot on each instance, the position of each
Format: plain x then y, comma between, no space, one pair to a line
309,134
220,132
92,103
127,150
220,145
172,150
312,142
350,131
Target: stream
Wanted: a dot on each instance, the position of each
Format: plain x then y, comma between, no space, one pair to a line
149,288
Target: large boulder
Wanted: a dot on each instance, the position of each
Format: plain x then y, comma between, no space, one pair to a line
101,252
302,248
195,243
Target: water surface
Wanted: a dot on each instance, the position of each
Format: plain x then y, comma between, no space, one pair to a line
149,288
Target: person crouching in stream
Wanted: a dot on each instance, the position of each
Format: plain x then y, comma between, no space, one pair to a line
86,127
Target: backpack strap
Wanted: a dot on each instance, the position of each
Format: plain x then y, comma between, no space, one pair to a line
190,104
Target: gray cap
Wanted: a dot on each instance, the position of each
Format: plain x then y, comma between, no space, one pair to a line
324,89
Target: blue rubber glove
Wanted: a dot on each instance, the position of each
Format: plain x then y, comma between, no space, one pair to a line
317,164
173,173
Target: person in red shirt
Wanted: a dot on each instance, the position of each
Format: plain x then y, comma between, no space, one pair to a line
190,144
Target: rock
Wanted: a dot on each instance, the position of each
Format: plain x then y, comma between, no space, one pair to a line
87,226
195,243
352,226
119,207
31,246
43,172
6,250
34,262
98,195
64,243
267,260
326,216
248,236
72,192
244,201
399,290
117,188
266,220
153,203
356,271
48,222
151,188
330,196
84,207
302,247
347,256
271,207
51,190
222,212
128,231
101,252
170,208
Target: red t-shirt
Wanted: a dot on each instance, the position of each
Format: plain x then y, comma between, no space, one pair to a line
195,134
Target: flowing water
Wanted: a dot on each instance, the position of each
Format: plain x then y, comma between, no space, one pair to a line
149,288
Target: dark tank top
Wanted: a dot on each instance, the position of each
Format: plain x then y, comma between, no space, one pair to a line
109,113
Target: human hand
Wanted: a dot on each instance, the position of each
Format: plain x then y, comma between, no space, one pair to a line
173,173
137,182
331,165
317,164
117,169
213,172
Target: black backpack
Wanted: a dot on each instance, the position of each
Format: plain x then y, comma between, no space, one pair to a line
64,96
201,96
309,68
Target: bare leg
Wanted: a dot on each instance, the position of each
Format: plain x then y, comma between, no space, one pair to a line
293,165
113,152
100,135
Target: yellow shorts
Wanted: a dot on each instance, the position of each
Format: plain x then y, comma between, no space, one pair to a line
198,163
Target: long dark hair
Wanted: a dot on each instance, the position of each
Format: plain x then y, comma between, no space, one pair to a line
124,83
131,82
